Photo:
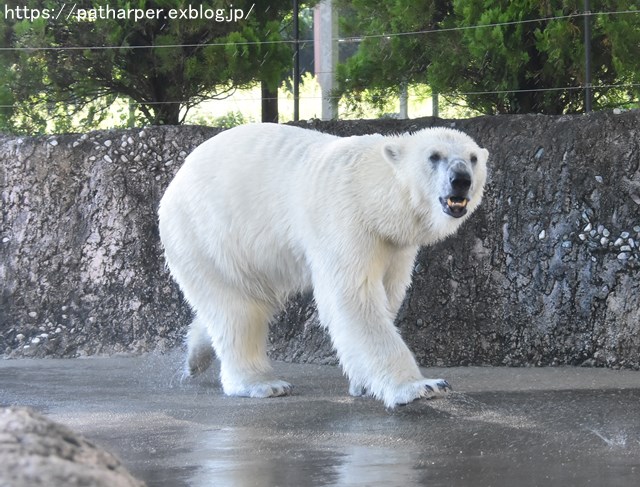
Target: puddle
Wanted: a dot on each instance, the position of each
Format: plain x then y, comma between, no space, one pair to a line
500,430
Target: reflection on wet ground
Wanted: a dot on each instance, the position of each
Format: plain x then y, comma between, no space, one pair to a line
503,426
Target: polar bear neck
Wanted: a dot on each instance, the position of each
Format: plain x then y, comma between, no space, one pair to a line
384,202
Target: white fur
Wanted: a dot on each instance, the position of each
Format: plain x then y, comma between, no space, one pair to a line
262,211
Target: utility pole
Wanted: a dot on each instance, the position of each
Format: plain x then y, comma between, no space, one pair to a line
587,56
325,35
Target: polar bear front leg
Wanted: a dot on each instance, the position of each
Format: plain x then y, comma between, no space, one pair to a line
396,280
369,347
397,277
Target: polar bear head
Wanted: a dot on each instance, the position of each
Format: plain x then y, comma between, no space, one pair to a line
443,170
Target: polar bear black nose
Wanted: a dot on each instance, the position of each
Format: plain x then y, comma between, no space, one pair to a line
460,181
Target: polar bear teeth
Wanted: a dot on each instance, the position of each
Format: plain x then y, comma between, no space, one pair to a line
455,202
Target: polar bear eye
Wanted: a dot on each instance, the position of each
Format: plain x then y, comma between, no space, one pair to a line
435,157
474,158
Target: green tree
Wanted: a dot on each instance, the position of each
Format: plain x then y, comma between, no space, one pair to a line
6,95
163,65
530,66
384,63
534,66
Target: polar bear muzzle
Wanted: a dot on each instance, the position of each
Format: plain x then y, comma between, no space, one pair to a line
455,204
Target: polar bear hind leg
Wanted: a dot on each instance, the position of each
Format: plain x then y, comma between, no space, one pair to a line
199,349
236,328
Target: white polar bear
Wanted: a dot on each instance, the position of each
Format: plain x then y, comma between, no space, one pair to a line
263,211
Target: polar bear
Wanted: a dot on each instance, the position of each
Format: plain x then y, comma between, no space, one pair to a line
263,211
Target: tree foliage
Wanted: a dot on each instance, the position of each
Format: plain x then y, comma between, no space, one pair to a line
383,62
163,65
521,65
529,62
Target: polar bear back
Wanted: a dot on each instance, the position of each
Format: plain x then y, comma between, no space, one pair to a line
242,204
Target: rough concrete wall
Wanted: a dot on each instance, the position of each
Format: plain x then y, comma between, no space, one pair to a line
546,272
81,271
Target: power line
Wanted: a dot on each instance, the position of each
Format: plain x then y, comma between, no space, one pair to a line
466,93
338,39
532,90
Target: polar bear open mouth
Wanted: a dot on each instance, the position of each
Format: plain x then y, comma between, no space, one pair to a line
455,206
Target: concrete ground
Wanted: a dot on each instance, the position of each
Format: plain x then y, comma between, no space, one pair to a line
501,426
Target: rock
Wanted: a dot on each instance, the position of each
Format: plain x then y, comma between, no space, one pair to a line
37,451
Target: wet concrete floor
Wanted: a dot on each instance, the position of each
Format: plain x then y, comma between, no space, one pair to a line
501,426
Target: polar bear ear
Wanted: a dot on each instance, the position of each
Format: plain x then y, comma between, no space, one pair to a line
392,153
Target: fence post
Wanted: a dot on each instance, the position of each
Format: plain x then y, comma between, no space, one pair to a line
131,121
587,56
403,112
296,62
325,35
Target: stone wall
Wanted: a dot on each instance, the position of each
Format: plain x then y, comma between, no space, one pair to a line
546,272
81,269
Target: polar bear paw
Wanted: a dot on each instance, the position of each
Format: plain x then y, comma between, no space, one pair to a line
437,387
420,389
198,362
357,390
267,388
